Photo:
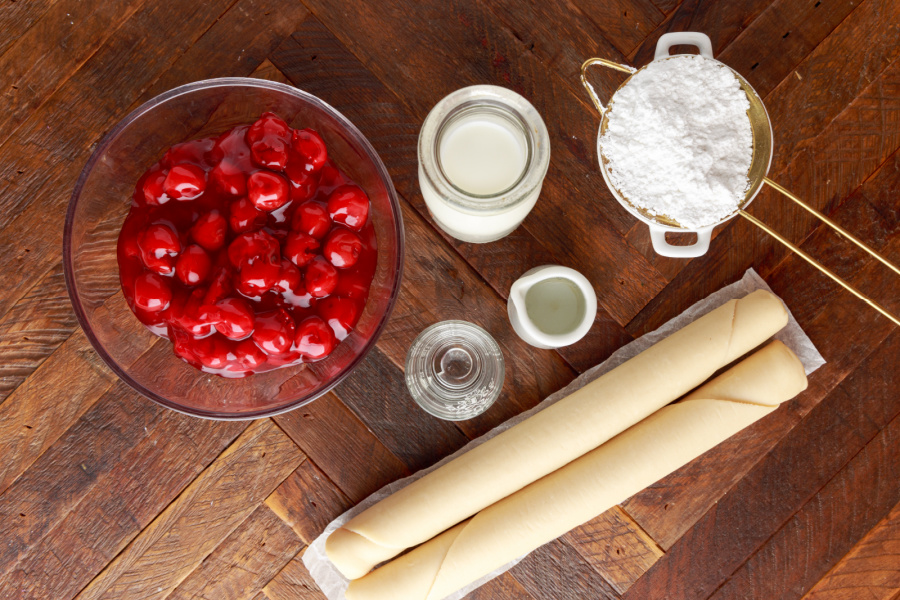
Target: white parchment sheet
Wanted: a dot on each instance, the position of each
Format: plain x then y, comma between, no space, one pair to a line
333,584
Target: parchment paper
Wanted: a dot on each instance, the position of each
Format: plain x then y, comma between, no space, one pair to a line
333,584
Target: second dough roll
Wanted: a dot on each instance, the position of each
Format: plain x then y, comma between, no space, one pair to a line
556,435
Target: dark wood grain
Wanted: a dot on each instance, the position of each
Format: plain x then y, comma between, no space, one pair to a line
357,462
245,561
307,501
870,565
203,515
293,583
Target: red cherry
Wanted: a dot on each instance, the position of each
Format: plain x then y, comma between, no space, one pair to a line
232,145
185,182
312,219
258,276
320,277
192,315
193,266
151,292
341,314
220,285
267,191
342,248
159,245
349,205
290,280
300,248
268,124
269,140
229,178
274,331
329,177
209,230
314,340
154,187
310,145
195,152
252,245
248,355
214,352
303,183
245,216
234,318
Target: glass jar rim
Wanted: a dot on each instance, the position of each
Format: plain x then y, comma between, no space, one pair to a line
495,97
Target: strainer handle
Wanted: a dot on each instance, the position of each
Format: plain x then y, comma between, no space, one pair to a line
590,89
686,38
664,248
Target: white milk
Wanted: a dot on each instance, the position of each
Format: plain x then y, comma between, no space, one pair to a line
483,154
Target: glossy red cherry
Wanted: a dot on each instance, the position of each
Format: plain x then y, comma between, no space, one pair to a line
349,205
342,248
195,152
341,314
191,314
193,265
314,340
304,183
234,318
290,279
255,244
245,217
330,177
229,179
185,182
269,140
159,246
312,219
220,286
274,331
232,145
152,292
310,145
214,352
154,187
209,230
267,191
320,277
248,355
258,276
300,248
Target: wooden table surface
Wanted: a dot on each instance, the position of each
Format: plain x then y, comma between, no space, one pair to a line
104,494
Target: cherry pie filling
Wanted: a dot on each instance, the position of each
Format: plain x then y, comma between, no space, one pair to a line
250,251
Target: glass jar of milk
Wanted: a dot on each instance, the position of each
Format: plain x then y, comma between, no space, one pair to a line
483,154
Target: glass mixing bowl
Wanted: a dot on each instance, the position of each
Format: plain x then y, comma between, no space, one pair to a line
102,198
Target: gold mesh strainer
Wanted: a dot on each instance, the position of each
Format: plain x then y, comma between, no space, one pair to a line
759,166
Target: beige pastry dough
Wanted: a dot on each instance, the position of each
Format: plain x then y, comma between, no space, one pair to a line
556,435
576,493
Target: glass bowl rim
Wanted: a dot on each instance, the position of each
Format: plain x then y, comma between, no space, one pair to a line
112,136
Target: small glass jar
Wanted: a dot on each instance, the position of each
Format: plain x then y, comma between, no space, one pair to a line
454,370
483,154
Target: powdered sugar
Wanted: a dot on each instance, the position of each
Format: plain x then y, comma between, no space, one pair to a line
678,141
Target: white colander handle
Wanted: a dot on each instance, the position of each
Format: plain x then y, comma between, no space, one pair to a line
664,248
687,38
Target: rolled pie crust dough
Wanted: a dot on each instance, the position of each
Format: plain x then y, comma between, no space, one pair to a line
590,485
556,435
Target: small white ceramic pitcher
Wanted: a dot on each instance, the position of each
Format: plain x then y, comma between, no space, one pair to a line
552,306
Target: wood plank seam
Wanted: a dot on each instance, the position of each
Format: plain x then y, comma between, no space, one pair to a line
161,512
